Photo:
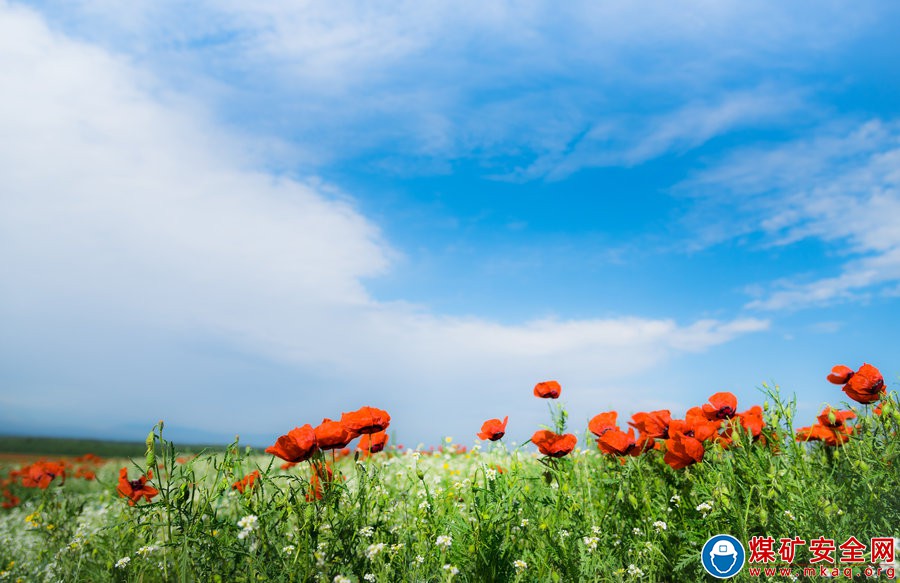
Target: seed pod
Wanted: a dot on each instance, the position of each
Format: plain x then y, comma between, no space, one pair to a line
151,453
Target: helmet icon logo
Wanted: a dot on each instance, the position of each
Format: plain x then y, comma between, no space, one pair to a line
722,556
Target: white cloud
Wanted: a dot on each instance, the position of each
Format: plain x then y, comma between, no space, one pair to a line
556,87
130,222
842,187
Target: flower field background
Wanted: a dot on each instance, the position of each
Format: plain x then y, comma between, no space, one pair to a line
612,500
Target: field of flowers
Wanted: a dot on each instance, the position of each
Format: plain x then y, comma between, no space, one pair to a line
608,505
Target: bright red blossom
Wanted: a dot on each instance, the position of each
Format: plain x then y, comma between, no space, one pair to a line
332,435
652,425
830,428
135,489
840,374
247,482
369,444
40,474
553,444
603,422
297,446
493,429
547,390
366,420
721,406
615,442
682,451
865,385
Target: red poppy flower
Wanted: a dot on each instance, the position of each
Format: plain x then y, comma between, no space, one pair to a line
372,443
135,489
616,442
721,406
553,444
11,500
752,420
85,474
315,488
831,436
297,446
696,425
682,451
332,435
840,374
247,482
865,385
366,420
652,425
493,429
831,417
322,473
547,390
40,474
603,422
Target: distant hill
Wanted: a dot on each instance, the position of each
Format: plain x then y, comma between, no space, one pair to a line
53,446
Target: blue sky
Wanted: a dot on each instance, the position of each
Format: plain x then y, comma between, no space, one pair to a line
243,218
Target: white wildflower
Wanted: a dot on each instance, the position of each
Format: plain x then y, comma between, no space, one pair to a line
369,577
790,515
520,565
146,550
374,550
420,559
444,541
524,523
451,569
249,522
636,531
635,571
564,533
366,531
123,562
341,579
660,526
490,474
591,543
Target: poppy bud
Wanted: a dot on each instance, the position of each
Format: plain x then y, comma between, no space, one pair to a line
151,453
420,474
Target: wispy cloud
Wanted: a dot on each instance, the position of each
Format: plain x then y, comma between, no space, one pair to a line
552,88
841,186
130,219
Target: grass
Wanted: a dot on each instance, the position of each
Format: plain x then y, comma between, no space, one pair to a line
483,515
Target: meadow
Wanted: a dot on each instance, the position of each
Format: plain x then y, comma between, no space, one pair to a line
619,500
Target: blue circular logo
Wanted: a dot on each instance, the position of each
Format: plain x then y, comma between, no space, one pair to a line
722,556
